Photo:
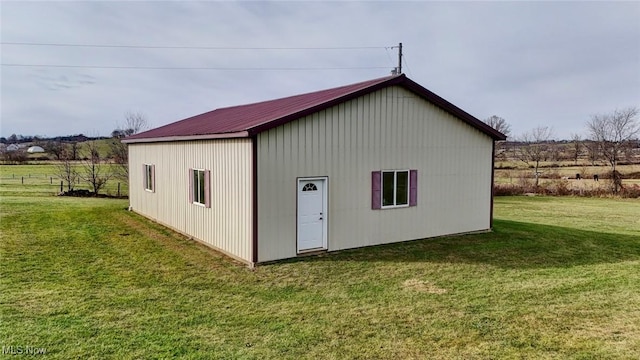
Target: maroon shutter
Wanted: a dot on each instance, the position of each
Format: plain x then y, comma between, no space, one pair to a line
191,186
376,190
413,187
153,178
207,188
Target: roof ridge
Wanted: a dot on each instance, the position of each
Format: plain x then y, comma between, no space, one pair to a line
372,81
253,118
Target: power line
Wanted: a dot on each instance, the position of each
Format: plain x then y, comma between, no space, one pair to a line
407,64
386,50
190,47
196,68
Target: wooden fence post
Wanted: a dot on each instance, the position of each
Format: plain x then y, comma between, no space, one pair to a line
51,180
61,186
118,189
23,180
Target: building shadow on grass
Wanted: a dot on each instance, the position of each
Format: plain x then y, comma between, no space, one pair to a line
511,245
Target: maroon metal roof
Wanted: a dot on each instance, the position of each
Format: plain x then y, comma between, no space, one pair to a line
251,119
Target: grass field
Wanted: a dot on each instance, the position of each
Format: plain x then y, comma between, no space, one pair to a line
41,179
558,278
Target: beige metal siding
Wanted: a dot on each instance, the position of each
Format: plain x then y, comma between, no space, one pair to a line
227,225
389,129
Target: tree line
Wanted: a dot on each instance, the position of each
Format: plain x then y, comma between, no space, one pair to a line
87,161
611,137
96,169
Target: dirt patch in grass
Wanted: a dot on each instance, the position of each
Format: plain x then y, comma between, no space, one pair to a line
423,286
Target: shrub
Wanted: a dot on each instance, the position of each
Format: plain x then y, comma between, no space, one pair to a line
507,190
630,191
552,175
561,188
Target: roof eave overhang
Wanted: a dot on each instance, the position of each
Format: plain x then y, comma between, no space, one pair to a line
231,135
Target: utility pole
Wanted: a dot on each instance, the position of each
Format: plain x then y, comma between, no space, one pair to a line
398,70
400,58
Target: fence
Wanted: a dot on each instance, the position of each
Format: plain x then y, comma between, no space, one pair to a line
32,182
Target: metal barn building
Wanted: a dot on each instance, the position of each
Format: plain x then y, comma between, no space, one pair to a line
375,162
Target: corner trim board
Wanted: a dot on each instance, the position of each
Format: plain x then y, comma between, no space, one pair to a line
254,195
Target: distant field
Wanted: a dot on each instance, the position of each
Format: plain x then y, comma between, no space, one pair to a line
42,179
565,169
102,146
558,278
549,175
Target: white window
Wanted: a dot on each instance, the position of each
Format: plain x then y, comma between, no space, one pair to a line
149,177
395,188
199,187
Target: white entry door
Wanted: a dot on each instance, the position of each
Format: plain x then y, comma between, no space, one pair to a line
312,214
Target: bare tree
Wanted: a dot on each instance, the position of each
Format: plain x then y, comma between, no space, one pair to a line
74,148
593,153
133,124
66,169
611,132
499,124
554,153
629,149
96,171
534,148
14,156
575,147
55,148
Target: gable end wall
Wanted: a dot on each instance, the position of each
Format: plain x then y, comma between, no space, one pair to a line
391,128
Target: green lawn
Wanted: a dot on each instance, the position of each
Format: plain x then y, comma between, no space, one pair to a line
558,278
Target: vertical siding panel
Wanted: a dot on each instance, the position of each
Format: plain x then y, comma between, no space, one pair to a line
227,224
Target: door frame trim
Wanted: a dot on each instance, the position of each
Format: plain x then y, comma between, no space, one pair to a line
325,218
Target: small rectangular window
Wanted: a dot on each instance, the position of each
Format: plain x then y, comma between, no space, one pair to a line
395,188
149,177
199,187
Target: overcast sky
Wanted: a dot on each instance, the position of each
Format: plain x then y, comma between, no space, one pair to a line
533,63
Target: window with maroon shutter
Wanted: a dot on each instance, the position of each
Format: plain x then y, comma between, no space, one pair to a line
191,187
394,188
207,188
376,190
413,188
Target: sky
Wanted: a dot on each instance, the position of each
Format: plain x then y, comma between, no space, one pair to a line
534,64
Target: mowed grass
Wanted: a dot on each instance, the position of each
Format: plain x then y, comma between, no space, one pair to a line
558,278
